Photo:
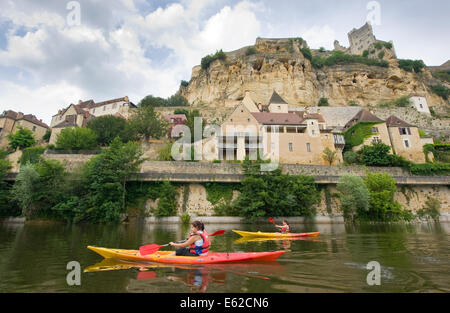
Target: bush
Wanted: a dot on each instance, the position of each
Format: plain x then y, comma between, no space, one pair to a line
339,57
355,135
76,139
442,75
411,65
388,45
306,53
441,90
376,154
401,102
354,196
351,157
323,102
353,103
381,55
47,135
322,49
31,155
206,61
431,208
250,51
431,169
365,53
22,138
318,61
383,207
165,153
184,83
378,45
167,204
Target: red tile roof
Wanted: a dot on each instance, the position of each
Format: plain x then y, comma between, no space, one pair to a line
277,118
394,121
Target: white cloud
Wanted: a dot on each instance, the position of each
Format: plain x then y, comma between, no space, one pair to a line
320,36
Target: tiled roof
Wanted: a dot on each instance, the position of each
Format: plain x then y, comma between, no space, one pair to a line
276,98
167,117
363,116
394,121
277,118
28,117
71,120
310,116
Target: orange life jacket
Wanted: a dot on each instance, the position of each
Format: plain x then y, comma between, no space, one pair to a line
203,250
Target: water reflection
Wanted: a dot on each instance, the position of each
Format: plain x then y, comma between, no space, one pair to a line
196,278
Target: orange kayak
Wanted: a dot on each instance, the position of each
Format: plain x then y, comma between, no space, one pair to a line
169,257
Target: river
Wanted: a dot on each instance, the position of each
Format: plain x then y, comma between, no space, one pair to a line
413,258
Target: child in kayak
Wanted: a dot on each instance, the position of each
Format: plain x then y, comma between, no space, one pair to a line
197,244
285,228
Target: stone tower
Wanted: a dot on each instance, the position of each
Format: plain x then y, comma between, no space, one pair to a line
361,39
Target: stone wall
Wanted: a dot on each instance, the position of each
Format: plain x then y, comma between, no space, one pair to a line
195,202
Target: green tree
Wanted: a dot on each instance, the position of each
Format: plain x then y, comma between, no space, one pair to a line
108,127
190,122
106,176
8,207
376,154
148,124
152,101
329,156
47,135
382,189
167,204
22,138
76,138
177,100
354,196
25,189
306,53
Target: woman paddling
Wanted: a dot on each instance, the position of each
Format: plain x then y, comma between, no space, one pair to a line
285,228
197,244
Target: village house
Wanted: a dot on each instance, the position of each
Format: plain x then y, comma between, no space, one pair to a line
10,122
78,115
174,120
297,137
402,137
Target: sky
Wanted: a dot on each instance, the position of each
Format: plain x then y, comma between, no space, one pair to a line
56,52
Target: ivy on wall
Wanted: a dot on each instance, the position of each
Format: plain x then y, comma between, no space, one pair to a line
355,135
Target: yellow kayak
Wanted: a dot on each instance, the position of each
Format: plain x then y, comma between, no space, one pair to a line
274,235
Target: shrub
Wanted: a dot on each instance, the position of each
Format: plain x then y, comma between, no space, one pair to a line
339,57
365,53
177,100
306,53
167,204
108,127
353,103
22,138
351,157
31,155
318,61
165,152
383,207
381,55
441,90
323,102
206,61
442,75
47,135
388,45
430,169
431,208
378,45
411,65
401,102
322,49
184,83
376,154
250,51
354,196
76,139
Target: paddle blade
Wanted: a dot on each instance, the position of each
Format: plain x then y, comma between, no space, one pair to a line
149,249
219,232
271,220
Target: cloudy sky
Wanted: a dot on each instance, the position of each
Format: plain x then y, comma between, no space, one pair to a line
140,47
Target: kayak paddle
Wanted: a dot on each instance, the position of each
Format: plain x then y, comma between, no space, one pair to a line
150,249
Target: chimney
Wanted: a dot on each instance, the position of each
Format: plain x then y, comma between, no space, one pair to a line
318,111
126,99
19,115
80,101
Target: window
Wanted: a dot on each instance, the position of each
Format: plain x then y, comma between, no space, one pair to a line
421,106
376,140
279,107
104,108
248,120
403,131
374,129
312,132
231,120
406,141
290,147
308,147
34,128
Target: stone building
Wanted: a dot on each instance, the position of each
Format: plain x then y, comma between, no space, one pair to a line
10,122
403,138
420,104
361,39
295,137
78,115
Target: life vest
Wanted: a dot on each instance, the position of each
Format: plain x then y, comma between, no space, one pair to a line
285,229
203,249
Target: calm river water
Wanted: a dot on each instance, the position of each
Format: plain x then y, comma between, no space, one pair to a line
413,258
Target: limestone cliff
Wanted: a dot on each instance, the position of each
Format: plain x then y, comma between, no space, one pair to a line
278,64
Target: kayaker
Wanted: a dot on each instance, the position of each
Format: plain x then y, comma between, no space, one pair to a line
285,228
197,244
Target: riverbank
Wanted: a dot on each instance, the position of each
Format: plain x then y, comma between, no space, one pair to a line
318,219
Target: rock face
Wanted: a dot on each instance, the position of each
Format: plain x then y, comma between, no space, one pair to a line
278,64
